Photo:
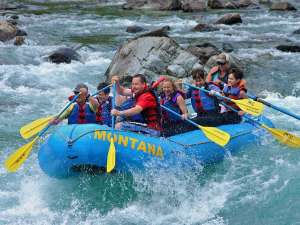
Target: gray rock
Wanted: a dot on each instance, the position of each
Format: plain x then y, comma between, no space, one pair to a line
151,56
7,31
161,32
288,48
227,47
229,19
153,4
242,4
197,66
216,4
4,6
296,31
203,51
134,29
21,32
204,28
12,21
64,55
14,17
176,71
193,5
265,1
283,6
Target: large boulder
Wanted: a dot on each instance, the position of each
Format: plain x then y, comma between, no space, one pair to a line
152,56
296,31
283,6
4,6
160,32
234,4
202,27
242,4
227,47
64,55
288,48
203,51
229,19
193,5
216,4
134,29
8,31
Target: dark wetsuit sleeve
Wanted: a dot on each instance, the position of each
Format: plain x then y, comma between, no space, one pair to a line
188,94
214,88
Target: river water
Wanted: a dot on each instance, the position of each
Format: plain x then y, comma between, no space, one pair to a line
260,185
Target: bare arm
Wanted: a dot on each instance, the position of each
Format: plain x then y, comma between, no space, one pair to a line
120,90
128,112
242,94
181,103
93,103
123,91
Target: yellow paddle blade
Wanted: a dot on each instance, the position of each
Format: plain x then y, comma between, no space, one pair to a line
111,157
250,106
216,135
15,160
34,127
284,137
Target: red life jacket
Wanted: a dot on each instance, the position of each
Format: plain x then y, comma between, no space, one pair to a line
103,113
202,102
150,115
81,114
99,118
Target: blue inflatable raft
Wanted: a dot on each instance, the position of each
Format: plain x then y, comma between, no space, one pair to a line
71,149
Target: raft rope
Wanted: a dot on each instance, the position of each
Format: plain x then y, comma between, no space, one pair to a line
63,136
72,141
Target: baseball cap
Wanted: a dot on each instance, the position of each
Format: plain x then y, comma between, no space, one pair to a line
221,58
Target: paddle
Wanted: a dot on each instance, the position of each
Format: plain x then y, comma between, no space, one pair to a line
33,128
247,105
285,111
111,156
16,159
212,133
282,136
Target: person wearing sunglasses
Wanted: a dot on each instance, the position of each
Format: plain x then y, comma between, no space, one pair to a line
219,74
83,110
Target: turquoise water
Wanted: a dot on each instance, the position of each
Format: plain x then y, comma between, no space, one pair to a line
260,185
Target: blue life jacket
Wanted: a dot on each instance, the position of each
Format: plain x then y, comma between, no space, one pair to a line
232,92
103,115
202,101
171,104
81,114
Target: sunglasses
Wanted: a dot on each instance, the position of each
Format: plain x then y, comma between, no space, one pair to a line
76,92
221,63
